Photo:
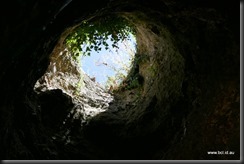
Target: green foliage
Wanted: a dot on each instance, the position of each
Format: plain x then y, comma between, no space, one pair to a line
153,70
133,82
91,35
141,58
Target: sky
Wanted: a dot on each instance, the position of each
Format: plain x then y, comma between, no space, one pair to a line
103,64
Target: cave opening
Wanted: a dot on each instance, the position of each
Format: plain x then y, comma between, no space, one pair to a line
103,48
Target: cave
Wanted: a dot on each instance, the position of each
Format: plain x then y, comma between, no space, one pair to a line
183,102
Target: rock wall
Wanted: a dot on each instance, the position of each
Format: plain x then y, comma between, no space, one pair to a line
188,98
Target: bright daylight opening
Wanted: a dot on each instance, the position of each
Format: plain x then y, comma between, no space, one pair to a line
105,49
110,66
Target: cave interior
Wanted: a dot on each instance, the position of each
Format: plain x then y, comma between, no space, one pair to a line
185,103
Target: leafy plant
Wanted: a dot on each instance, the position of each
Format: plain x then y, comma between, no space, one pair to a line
92,34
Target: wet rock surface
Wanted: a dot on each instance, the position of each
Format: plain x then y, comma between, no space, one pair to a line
187,103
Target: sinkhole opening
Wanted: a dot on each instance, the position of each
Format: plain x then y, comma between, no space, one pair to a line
105,49
102,48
